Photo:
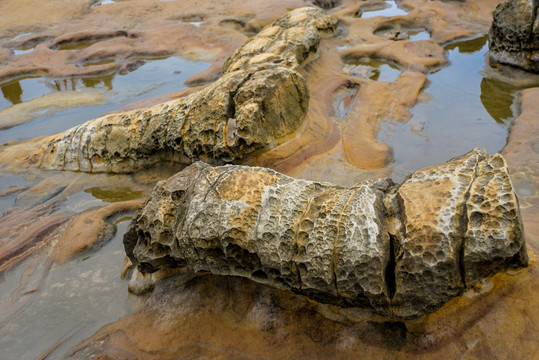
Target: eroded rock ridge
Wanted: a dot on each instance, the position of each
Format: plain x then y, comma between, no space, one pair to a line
400,250
260,99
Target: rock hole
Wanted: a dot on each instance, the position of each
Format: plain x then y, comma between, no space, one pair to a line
327,4
343,98
177,196
371,68
259,274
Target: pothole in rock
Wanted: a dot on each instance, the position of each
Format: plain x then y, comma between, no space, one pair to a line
95,62
25,43
396,33
327,4
75,46
17,52
196,20
385,8
240,25
105,2
369,68
343,97
232,24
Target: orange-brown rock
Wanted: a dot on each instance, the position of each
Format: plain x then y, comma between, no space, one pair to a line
89,228
400,250
375,103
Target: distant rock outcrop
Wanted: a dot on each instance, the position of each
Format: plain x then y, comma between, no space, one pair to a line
400,250
259,100
514,35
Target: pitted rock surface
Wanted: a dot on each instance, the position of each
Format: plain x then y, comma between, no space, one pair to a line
259,100
399,250
514,35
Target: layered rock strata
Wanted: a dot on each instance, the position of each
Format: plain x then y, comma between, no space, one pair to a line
399,250
259,100
514,35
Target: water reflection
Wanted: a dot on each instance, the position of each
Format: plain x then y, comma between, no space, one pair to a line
114,194
497,97
374,69
402,33
468,46
12,91
75,46
27,88
145,78
467,110
72,303
390,8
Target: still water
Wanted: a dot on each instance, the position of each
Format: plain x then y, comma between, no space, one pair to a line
462,109
153,78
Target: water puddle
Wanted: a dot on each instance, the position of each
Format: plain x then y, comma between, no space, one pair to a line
23,89
387,9
114,194
343,98
17,52
97,62
420,34
75,46
195,19
105,2
43,104
374,69
10,186
466,110
327,4
73,301
398,33
195,23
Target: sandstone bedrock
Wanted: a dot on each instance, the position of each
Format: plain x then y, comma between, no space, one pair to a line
401,250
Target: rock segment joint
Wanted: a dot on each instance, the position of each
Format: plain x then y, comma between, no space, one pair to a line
401,250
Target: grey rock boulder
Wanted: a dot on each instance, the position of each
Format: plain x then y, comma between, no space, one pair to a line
514,35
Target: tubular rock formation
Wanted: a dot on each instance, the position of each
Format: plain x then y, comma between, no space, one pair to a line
401,250
259,100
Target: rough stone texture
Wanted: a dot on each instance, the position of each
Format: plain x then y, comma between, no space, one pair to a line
260,99
514,35
400,250
459,221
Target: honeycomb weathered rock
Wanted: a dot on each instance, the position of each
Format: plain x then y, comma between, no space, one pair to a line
259,100
514,35
400,250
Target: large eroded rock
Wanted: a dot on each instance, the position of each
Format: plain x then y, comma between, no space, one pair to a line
400,250
514,35
259,100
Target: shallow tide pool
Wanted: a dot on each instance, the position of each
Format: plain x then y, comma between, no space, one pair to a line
461,109
36,98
